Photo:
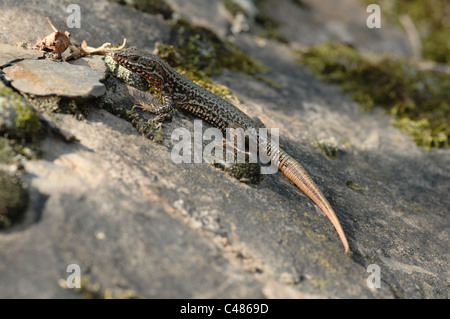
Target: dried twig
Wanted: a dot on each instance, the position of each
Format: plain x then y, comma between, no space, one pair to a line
58,42
103,49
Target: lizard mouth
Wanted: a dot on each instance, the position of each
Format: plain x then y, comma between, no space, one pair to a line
116,57
123,61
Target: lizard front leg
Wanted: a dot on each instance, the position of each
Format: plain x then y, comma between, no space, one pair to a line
163,112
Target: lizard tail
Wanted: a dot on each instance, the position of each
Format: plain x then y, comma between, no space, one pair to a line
297,174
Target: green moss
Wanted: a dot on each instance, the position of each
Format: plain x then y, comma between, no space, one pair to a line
17,118
19,127
274,35
205,51
89,290
245,172
11,148
117,109
270,26
67,106
47,104
234,8
418,99
150,129
329,148
427,132
184,64
7,151
26,120
57,104
353,186
202,54
13,199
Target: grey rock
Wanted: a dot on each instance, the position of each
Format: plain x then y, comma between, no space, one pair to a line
9,53
101,21
313,23
341,20
209,14
45,77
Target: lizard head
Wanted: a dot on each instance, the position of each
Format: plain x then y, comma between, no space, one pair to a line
136,60
141,62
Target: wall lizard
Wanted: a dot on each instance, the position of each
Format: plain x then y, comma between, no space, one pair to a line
178,91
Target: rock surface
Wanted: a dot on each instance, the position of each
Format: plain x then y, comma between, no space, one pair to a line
115,203
11,53
44,77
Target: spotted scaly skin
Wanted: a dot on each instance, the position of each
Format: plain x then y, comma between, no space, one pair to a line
178,91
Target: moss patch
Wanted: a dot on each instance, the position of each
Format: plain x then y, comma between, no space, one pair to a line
13,199
17,118
270,28
90,290
186,65
350,184
245,172
7,151
57,104
19,129
234,8
150,129
329,148
418,99
205,51
10,149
